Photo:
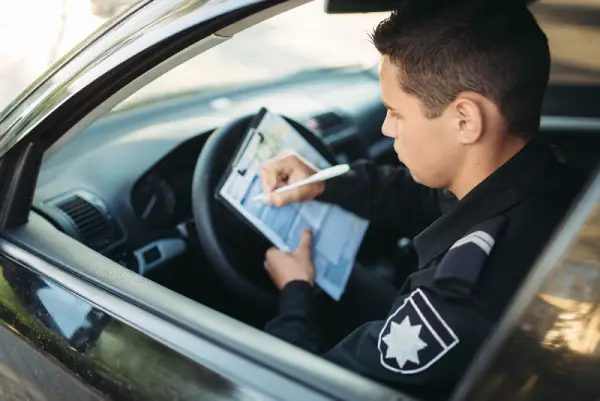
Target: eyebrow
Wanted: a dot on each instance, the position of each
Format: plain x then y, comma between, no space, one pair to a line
387,106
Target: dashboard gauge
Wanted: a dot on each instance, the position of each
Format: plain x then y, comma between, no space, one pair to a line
154,201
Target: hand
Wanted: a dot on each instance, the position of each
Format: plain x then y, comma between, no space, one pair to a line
286,267
284,170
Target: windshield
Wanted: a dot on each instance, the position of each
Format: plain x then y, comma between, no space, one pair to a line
299,40
307,39
303,39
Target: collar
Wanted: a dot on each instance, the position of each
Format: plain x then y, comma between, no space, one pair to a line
507,186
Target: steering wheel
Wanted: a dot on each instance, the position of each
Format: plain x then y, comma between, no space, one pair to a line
232,247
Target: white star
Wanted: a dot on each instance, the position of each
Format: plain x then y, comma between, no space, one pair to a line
403,342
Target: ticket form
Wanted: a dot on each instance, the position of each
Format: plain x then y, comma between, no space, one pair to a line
337,233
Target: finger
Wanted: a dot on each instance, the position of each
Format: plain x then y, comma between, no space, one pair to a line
275,258
270,271
274,174
270,254
284,166
293,167
285,197
268,178
305,241
284,170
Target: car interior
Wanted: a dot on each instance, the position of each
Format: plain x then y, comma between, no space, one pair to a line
123,187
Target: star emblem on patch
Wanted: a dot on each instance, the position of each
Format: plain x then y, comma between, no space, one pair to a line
415,336
403,342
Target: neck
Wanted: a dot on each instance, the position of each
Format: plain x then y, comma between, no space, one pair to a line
482,161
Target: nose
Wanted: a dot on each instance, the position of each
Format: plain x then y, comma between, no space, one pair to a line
388,128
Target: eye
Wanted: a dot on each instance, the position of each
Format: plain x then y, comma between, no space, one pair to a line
394,115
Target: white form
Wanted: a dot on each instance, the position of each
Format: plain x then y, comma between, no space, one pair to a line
337,233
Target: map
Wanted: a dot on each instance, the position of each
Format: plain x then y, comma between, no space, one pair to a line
337,234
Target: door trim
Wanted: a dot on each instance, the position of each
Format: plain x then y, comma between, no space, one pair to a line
109,285
218,359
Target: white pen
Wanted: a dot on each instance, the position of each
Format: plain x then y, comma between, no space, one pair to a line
322,175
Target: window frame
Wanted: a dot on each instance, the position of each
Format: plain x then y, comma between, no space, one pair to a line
183,325
481,379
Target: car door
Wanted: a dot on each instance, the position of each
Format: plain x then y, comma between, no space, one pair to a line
117,335
60,345
84,327
547,346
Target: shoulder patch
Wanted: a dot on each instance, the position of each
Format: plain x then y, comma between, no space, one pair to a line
479,238
415,336
459,268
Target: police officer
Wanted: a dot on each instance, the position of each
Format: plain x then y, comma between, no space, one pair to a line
463,84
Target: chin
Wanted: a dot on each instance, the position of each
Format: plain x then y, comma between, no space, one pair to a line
415,177
419,179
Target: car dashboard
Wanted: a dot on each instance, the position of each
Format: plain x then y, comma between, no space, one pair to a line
123,186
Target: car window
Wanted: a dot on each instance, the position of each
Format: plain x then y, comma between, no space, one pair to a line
573,33
298,41
285,46
549,341
118,360
278,49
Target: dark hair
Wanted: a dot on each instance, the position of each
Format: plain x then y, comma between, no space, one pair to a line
494,48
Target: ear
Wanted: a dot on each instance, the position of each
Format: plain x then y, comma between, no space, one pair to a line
469,118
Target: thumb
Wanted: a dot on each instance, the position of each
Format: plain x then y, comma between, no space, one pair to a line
283,198
306,241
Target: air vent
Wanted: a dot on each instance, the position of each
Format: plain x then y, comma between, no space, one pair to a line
327,121
92,225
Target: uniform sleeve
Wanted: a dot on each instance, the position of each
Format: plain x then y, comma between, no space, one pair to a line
385,194
423,347
296,318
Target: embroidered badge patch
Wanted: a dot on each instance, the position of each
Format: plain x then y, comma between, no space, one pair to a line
415,336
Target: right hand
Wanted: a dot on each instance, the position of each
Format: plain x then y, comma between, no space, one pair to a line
284,170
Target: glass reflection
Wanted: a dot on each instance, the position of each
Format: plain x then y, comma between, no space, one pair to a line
572,301
107,354
53,307
553,352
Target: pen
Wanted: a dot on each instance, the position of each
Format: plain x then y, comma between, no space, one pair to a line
322,175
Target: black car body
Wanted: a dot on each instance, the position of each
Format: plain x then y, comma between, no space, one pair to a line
84,306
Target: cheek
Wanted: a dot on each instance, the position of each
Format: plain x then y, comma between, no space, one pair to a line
401,140
417,145
410,139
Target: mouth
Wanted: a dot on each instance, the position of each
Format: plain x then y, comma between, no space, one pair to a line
397,150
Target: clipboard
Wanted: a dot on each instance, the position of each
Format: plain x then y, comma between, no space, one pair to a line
282,226
252,134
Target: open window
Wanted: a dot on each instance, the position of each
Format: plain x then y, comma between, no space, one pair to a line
112,200
118,183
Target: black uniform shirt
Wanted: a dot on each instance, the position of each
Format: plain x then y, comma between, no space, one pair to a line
471,261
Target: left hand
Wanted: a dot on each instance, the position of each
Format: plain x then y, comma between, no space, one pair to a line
286,267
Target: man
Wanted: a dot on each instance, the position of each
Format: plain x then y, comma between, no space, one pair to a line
463,83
